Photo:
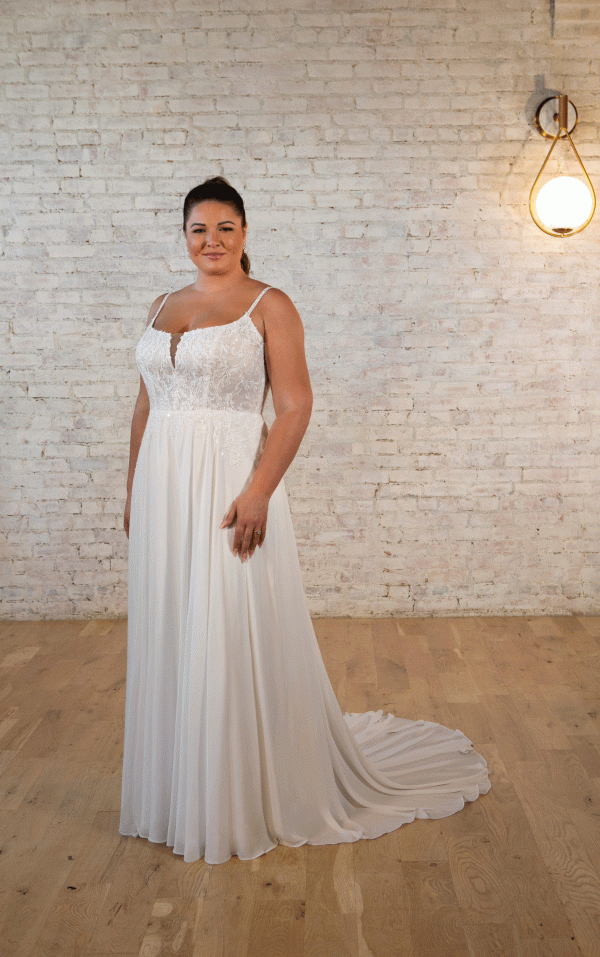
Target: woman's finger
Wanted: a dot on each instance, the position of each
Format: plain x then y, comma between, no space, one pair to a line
228,518
239,539
248,538
256,540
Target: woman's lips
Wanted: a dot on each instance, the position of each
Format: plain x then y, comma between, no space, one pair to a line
213,255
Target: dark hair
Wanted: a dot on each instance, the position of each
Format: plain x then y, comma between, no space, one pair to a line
219,189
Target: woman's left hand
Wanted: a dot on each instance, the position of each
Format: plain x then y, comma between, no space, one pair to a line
249,513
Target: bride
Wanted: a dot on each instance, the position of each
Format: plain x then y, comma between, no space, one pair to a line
234,741
222,289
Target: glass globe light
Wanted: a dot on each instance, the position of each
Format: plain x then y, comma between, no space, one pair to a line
563,204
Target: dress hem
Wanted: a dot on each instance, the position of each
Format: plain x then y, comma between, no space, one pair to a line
420,813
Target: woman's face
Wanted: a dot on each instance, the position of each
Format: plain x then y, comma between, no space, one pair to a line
215,237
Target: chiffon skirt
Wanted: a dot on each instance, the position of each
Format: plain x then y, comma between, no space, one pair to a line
234,741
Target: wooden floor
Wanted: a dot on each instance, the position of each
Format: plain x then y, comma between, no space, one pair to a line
515,873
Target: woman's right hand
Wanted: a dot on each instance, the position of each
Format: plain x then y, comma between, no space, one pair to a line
126,517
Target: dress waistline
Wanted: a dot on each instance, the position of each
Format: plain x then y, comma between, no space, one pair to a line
205,412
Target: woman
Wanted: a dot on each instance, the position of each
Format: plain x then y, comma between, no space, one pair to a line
234,739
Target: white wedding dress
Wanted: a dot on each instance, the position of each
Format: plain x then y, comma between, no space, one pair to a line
234,740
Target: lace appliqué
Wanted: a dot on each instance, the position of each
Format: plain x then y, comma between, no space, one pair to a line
218,367
216,387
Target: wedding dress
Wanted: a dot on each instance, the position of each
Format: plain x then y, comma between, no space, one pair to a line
234,740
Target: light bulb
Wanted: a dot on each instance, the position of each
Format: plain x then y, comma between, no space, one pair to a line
563,204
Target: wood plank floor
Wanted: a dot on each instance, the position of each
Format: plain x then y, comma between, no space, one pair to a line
515,873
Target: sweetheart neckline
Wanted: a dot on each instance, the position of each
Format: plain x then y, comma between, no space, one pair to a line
222,325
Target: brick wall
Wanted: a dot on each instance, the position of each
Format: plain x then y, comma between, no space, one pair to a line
385,155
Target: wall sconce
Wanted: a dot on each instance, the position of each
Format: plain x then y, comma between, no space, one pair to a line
565,204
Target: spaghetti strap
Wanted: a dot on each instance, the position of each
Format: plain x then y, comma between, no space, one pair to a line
258,298
159,308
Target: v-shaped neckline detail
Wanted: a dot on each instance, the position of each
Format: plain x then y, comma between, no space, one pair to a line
222,325
181,335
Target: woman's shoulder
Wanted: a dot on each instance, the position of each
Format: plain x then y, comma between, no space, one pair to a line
278,313
257,287
276,299
156,306
275,305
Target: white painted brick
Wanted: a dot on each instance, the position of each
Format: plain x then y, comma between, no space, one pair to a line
385,158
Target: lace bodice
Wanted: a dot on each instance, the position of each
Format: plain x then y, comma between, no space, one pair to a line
216,367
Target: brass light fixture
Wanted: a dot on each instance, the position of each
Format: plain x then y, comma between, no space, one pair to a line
565,204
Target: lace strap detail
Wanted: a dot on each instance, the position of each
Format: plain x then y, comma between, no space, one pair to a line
159,308
258,298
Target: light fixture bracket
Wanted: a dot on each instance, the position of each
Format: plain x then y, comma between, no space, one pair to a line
547,118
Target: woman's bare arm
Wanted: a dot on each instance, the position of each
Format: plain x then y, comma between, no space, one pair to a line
138,426
292,401
290,387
